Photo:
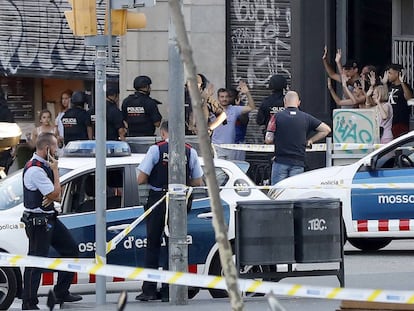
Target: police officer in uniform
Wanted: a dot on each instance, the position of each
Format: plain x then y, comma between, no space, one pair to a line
273,103
154,171
76,121
115,127
140,111
41,188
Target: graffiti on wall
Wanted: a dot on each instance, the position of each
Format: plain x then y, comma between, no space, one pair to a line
260,39
36,37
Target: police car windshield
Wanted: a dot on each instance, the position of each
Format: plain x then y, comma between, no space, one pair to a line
11,189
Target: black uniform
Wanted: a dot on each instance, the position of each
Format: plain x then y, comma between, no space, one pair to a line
44,229
270,106
114,120
76,122
140,111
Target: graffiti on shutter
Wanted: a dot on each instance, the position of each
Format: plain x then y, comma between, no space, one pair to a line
37,41
260,33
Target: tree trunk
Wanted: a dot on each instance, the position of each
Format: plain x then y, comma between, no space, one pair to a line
220,227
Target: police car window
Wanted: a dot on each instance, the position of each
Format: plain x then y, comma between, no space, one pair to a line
79,196
400,157
11,191
222,179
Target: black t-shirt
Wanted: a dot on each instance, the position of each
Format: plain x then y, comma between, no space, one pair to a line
140,111
400,108
292,129
270,106
76,122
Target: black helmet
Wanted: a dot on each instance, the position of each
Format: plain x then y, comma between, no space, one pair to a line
277,83
141,81
78,98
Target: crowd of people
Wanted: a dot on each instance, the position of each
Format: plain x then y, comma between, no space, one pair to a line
386,94
226,115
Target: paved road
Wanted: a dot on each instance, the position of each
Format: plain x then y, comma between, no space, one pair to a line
390,268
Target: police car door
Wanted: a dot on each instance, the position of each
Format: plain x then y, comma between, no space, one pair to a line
79,203
380,201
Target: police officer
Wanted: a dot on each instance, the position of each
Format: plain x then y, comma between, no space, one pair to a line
140,111
76,121
273,103
154,171
115,127
41,188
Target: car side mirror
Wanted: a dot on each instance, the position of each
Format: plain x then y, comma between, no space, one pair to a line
370,163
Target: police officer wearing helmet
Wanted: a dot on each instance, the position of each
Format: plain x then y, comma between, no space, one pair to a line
76,121
115,127
140,111
154,171
41,187
273,103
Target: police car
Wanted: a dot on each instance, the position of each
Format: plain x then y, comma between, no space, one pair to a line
125,200
377,193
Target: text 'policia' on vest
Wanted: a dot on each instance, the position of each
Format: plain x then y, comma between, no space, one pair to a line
140,111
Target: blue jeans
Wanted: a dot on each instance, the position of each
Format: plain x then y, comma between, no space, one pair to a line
281,171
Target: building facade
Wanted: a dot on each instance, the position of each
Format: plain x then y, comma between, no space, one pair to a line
231,40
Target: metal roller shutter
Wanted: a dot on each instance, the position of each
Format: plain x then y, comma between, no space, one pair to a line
259,46
36,41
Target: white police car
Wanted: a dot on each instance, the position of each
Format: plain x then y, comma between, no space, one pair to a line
377,193
125,200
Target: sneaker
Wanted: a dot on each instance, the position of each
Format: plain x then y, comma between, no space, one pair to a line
68,298
146,297
28,306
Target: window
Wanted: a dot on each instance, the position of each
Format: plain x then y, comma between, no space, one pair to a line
79,193
11,191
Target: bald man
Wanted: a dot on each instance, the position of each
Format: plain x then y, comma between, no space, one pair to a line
290,130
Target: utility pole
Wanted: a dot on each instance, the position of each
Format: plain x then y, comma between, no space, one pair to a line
101,43
177,210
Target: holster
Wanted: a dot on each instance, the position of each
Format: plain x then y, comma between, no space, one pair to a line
31,219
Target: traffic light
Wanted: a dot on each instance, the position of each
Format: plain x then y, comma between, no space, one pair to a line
123,19
82,18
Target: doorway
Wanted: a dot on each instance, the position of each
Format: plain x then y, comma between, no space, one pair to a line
369,34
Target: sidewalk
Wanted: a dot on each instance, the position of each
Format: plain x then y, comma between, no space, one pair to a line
202,302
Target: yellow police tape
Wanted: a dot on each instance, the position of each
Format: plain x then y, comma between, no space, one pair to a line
207,281
315,147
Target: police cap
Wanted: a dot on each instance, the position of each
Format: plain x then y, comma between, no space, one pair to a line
78,98
277,83
141,81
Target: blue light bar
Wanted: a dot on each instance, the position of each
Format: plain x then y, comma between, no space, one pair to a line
87,148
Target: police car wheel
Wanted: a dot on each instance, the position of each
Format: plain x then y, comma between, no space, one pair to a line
372,244
8,287
216,269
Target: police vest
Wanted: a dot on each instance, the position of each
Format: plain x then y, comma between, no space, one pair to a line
33,198
159,174
75,124
136,109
